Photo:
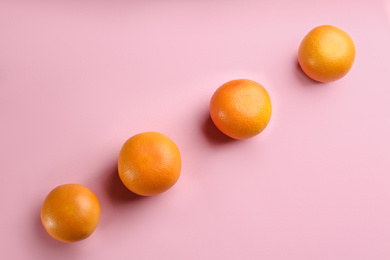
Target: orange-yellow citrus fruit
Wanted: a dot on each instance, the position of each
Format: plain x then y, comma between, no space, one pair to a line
326,53
70,212
241,108
149,163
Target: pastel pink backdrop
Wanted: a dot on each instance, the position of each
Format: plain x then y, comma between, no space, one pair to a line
77,78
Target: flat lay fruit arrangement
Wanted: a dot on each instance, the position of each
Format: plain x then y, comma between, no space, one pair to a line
150,163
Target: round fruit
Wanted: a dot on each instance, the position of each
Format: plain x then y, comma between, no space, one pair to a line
70,212
149,163
241,108
326,53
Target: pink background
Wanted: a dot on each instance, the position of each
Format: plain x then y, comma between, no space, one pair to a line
77,78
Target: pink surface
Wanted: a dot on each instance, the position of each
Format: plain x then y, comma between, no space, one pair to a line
77,78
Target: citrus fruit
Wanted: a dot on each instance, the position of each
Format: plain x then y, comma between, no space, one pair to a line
149,163
241,108
326,53
70,212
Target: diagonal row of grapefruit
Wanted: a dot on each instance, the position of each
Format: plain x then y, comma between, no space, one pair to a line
149,163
